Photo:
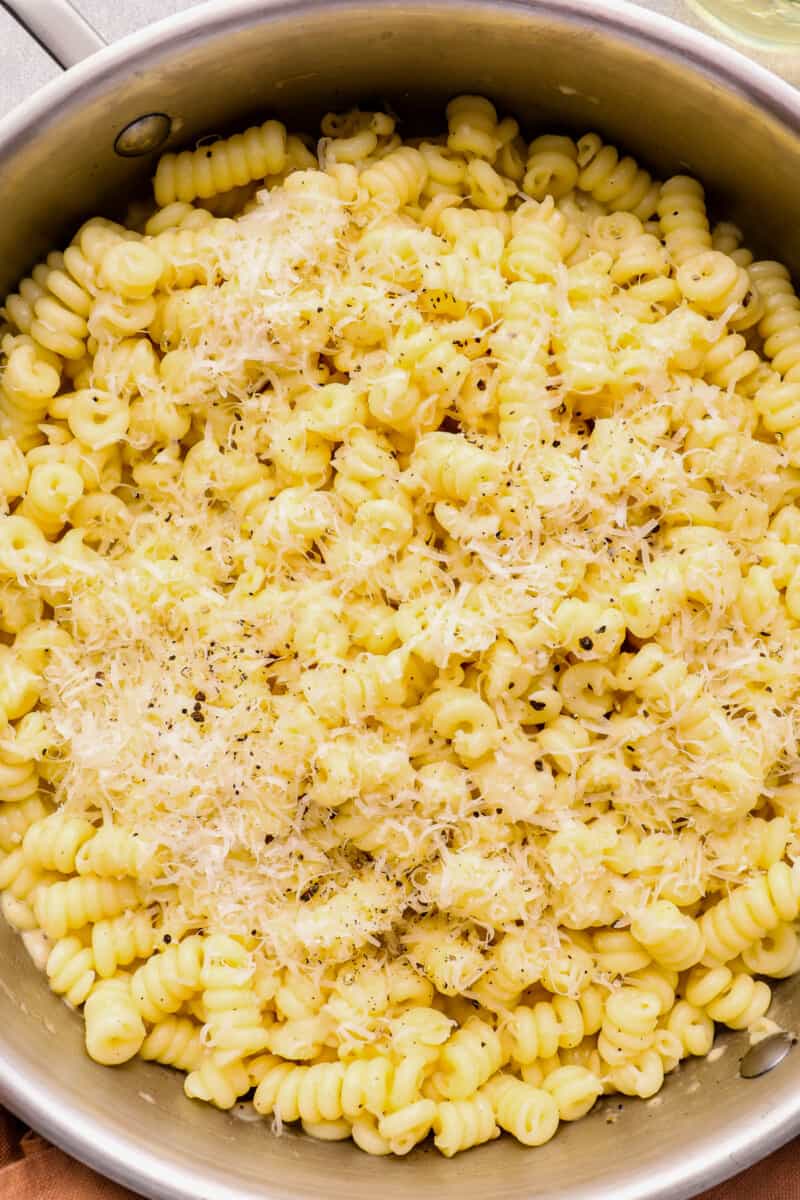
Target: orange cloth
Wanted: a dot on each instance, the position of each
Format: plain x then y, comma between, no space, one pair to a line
31,1169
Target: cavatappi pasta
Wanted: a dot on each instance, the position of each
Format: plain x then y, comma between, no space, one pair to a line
400,613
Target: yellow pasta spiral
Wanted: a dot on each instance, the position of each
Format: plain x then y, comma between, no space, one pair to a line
460,1124
116,942
473,127
81,901
682,218
328,1091
529,1113
168,978
673,939
468,1059
175,1042
539,1031
574,1089
113,852
114,1029
618,182
733,998
222,165
54,842
751,911
70,969
220,1085
28,381
16,818
234,1027
398,179
629,1023
552,167
780,323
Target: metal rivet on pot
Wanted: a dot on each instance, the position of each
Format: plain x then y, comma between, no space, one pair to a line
143,136
766,1054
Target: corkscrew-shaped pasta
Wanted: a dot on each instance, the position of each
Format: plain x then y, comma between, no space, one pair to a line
460,715
584,353
175,1042
733,998
693,1027
468,1059
552,167
539,1031
461,1124
117,942
21,883
53,489
670,937
217,1084
55,303
16,818
19,780
778,405
618,182
658,980
177,215
113,852
222,165
29,380
59,310
682,218
398,179
190,253
474,128
574,1088
328,1091
729,361
780,323
727,237
776,955
641,1076
530,1113
53,843
234,1027
712,282
114,1029
750,912
452,467
80,901
168,978
534,252
70,970
629,1022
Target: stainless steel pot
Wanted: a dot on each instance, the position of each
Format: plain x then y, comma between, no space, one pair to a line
676,99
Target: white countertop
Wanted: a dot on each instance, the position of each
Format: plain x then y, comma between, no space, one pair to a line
25,66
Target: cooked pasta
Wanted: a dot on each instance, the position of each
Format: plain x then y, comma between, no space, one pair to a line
400,600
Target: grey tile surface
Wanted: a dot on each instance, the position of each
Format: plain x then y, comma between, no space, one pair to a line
23,65
114,18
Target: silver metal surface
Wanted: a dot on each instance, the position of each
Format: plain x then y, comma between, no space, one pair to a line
143,136
766,1054
677,100
58,27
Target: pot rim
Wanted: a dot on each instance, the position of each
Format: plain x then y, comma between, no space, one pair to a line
718,62
124,1157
